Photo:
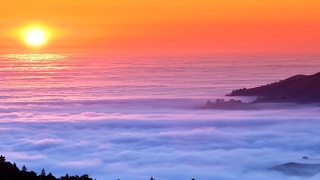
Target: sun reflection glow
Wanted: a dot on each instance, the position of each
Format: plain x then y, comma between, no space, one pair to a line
47,63
36,57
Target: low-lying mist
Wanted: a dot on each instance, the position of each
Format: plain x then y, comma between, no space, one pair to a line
166,139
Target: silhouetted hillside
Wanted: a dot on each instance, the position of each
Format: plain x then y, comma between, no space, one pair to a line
10,171
297,169
296,89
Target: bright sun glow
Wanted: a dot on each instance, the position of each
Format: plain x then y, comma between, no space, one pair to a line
35,37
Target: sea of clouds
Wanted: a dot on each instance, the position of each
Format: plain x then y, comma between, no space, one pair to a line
138,142
131,119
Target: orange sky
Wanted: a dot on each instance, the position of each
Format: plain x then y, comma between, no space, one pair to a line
164,26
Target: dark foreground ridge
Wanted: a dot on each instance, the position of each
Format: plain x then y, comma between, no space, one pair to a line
10,171
297,169
296,89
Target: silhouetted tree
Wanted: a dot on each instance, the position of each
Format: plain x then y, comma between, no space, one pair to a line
24,168
2,159
50,177
43,172
66,177
14,165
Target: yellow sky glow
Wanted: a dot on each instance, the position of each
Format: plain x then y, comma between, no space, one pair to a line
164,26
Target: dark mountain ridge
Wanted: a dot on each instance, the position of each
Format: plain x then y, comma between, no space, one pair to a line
296,89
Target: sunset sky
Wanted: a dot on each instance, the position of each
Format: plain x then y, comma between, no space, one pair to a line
163,26
129,89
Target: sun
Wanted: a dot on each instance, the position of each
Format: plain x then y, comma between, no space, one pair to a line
35,37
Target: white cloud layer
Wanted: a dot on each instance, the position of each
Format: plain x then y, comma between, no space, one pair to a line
167,143
133,118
